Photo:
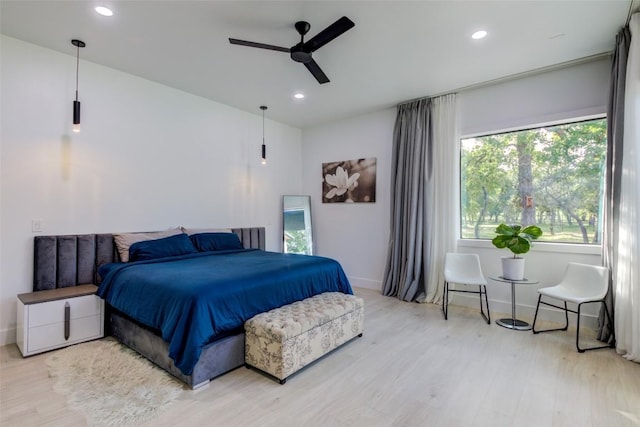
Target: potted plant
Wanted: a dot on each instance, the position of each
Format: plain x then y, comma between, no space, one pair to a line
518,240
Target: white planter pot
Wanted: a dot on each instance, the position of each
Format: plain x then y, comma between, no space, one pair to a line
513,268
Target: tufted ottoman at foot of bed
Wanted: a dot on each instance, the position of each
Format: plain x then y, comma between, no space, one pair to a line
284,340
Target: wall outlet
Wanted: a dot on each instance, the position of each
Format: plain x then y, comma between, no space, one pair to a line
36,225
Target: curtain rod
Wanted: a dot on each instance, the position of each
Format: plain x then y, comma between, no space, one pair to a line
517,76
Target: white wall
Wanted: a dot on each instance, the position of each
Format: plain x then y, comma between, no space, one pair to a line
357,235
149,157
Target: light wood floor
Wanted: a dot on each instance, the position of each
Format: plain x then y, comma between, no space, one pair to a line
411,368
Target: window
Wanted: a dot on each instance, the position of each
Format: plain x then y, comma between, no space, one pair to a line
551,176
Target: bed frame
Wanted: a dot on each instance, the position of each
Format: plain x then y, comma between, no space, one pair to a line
71,260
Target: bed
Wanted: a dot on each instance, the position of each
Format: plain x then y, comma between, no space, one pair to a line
199,336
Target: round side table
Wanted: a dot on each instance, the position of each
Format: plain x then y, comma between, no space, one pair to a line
513,323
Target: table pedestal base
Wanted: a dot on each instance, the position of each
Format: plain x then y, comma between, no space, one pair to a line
519,325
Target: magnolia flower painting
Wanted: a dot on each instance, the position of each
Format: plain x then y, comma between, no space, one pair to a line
349,181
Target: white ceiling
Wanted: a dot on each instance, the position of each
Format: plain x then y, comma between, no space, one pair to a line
397,50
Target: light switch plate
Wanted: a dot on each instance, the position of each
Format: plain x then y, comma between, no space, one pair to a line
36,225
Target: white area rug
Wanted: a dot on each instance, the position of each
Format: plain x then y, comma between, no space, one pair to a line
111,384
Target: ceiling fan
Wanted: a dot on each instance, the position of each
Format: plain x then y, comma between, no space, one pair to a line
302,52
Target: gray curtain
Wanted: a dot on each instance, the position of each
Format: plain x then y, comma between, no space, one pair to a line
404,275
615,130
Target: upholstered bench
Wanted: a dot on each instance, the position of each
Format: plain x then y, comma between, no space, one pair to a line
284,340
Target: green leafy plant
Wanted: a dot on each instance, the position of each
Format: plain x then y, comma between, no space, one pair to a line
516,238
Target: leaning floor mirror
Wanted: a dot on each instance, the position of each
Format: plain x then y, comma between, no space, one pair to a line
296,225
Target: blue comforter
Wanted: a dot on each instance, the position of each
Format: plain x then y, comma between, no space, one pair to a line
192,299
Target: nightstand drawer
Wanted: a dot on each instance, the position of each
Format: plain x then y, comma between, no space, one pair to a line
51,336
53,311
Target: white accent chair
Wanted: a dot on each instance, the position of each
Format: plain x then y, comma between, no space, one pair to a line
464,269
581,284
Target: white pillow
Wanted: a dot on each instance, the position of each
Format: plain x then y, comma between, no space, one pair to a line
191,231
124,240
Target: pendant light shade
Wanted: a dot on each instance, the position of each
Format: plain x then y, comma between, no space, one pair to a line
264,147
76,116
76,104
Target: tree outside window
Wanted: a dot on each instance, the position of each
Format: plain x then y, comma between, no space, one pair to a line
550,176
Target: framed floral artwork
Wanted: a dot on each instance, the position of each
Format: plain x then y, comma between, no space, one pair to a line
349,181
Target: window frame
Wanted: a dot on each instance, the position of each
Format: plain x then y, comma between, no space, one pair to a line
538,246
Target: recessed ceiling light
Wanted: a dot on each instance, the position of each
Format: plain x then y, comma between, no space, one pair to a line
298,95
104,11
479,35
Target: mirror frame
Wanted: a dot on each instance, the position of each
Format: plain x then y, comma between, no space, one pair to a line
307,213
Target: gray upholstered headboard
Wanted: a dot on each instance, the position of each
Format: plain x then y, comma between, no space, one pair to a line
71,260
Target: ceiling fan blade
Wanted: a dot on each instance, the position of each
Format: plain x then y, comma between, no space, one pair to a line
331,32
314,68
258,45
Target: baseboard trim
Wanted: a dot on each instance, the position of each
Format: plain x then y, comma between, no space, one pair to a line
523,312
361,282
8,336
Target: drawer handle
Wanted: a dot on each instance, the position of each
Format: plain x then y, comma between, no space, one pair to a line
67,320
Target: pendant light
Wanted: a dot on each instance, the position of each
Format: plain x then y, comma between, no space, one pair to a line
76,104
264,147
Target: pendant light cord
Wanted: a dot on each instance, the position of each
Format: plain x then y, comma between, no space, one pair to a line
263,108
77,68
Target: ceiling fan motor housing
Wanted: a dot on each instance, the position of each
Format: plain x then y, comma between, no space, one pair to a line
298,54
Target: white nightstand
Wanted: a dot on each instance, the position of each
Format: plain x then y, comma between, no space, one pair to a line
58,317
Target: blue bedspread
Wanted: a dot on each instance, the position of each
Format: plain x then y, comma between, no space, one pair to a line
192,299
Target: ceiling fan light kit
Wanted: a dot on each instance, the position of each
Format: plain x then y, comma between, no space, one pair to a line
303,51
